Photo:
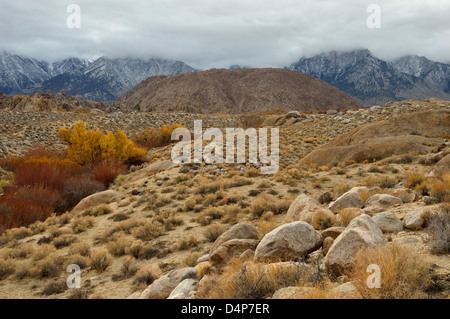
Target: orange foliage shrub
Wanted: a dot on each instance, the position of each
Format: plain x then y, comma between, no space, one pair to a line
91,147
156,137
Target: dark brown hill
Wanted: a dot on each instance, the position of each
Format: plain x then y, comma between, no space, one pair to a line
233,91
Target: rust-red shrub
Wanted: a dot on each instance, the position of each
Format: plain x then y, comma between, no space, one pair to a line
19,211
107,171
40,174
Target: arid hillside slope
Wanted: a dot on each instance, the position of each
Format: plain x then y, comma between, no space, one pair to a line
233,91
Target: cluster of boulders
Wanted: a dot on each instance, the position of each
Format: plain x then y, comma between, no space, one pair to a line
294,240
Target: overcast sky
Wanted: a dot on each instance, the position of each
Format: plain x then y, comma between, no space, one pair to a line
219,33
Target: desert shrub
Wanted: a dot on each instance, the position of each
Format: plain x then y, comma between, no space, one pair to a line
213,231
321,220
191,259
81,248
117,247
16,212
77,188
341,189
148,231
107,171
251,172
100,260
268,203
346,215
439,229
267,223
100,210
381,181
144,277
64,241
127,270
189,205
185,244
46,267
440,188
403,272
43,251
82,224
43,175
55,287
91,147
6,268
255,281
156,137
414,179
208,215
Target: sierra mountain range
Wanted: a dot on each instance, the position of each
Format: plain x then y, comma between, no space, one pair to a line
366,78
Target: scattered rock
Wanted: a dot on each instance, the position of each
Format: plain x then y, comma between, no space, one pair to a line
231,248
388,222
383,201
98,199
185,289
413,220
362,231
289,242
162,287
347,200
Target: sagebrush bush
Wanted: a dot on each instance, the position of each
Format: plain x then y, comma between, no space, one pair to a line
404,273
439,229
100,260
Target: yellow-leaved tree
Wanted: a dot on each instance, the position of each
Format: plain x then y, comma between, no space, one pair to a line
91,147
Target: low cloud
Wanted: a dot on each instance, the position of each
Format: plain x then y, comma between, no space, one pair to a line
219,33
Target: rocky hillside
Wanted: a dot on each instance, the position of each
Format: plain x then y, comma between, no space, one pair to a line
48,102
373,81
233,91
198,231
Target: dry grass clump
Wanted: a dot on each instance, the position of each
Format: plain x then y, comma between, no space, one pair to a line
148,231
185,244
144,277
415,178
21,251
43,251
439,229
47,267
267,223
191,259
127,270
208,215
346,215
238,182
77,259
250,280
117,247
341,189
381,181
440,188
139,251
82,224
64,241
7,267
100,210
404,273
268,203
99,260
322,220
55,287
251,172
213,231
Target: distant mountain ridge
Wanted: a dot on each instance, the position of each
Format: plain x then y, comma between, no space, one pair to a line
104,79
371,80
